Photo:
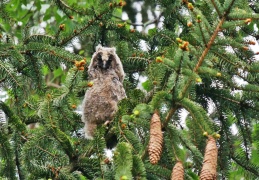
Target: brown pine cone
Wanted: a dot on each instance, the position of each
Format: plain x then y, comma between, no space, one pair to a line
209,168
156,139
178,171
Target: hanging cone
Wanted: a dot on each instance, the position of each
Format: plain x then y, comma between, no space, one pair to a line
208,171
156,139
178,171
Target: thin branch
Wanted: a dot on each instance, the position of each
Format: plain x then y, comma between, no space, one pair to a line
241,18
29,11
60,2
141,24
50,84
129,23
229,8
208,46
176,157
53,155
169,116
202,34
245,166
199,158
244,133
153,21
216,8
18,165
205,52
225,98
89,24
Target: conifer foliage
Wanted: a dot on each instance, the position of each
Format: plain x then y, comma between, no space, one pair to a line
191,82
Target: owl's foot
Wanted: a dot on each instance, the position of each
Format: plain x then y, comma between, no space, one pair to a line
89,137
89,130
107,123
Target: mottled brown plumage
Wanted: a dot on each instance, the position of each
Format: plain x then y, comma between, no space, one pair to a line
100,102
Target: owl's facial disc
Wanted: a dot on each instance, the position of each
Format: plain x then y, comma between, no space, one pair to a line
104,62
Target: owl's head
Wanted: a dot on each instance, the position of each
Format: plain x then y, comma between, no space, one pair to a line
104,57
105,60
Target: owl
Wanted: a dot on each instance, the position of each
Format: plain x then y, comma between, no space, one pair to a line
100,101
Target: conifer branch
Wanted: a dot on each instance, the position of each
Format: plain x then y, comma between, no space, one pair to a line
226,98
159,171
81,30
225,59
11,76
197,154
244,132
169,116
60,136
13,119
246,122
44,150
77,32
62,153
175,154
53,52
245,164
216,8
202,34
247,87
7,156
144,24
229,8
124,137
208,46
64,7
51,84
18,165
130,23
64,141
28,11
241,18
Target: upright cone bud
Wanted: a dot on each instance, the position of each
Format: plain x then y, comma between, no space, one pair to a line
178,171
156,139
62,27
208,171
248,20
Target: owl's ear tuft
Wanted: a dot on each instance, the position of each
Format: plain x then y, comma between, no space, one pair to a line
113,50
97,48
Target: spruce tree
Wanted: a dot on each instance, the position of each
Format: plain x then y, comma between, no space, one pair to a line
194,116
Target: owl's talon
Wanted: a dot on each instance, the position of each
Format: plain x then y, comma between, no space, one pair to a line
107,123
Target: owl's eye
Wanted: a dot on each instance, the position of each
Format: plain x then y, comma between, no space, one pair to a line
110,58
99,57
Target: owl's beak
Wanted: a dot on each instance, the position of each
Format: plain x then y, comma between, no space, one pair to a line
105,65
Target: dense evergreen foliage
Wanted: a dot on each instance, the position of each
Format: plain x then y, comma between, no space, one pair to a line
198,61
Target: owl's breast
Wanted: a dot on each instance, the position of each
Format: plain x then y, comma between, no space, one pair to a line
101,99
109,86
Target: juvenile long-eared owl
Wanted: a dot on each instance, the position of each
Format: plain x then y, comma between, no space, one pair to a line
100,101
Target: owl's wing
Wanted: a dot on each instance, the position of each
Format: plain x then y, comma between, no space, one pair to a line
92,73
92,68
119,68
